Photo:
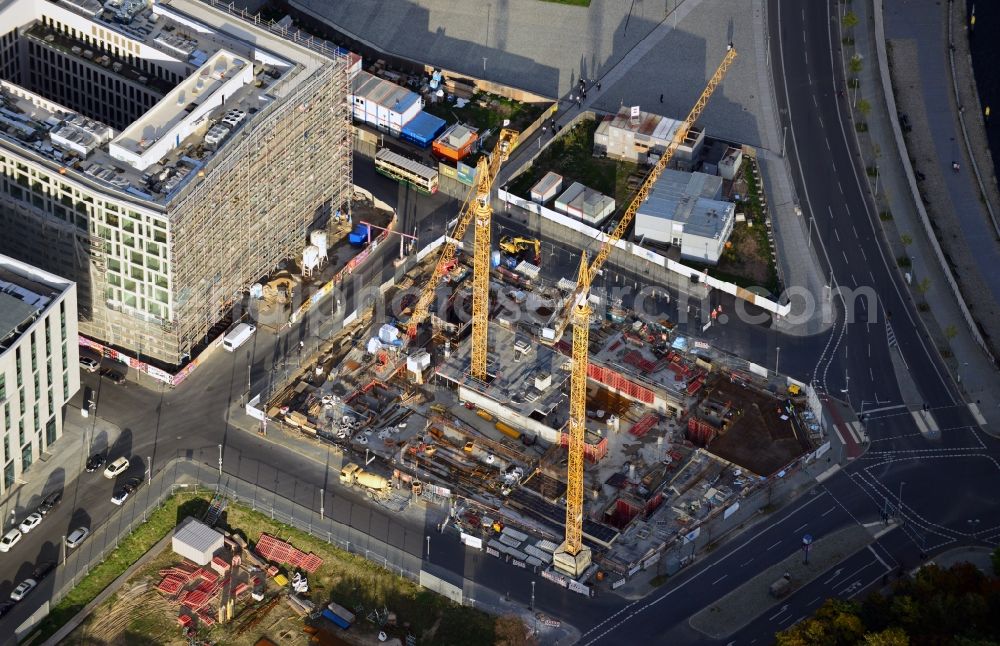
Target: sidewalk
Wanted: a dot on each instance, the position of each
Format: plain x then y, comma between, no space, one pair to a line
969,364
61,463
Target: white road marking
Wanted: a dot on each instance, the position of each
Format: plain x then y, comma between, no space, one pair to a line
774,546
880,560
799,528
746,562
836,234
828,510
719,579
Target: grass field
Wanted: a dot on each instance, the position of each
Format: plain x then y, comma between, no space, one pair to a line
487,112
572,156
138,614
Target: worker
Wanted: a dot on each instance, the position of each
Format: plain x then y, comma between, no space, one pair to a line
661,98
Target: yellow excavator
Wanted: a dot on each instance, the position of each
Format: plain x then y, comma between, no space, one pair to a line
515,246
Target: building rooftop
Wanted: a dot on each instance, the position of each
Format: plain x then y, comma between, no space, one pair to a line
228,67
690,199
384,93
586,200
25,292
651,125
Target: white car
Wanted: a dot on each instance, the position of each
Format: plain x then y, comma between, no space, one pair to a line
90,365
9,540
116,468
77,536
22,589
30,522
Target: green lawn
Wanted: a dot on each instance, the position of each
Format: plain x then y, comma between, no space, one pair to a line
572,156
487,112
130,549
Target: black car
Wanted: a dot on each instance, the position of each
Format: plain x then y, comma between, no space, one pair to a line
115,376
43,570
95,462
5,607
49,502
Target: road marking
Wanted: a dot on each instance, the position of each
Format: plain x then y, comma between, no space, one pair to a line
836,573
814,601
783,610
871,373
774,546
828,510
885,408
836,234
840,186
845,255
828,144
719,579
815,102
747,562
880,560
863,254
869,350
625,614
855,231
826,474
810,77
799,528
974,409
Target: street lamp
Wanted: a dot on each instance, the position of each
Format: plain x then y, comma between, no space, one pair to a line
428,547
777,357
220,460
322,496
806,544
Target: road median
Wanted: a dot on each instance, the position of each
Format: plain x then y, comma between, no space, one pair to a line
741,606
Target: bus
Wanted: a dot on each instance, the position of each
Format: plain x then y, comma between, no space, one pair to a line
401,169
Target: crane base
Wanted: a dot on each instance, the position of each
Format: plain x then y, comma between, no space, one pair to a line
572,565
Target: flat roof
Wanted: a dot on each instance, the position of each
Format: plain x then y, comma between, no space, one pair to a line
186,36
690,199
25,292
385,93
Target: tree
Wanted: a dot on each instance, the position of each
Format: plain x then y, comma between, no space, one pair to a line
951,332
855,65
835,622
850,20
887,637
906,239
924,286
864,107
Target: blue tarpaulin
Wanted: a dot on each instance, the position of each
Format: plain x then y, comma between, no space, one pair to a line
422,129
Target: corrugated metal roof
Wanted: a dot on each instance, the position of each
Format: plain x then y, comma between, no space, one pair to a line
198,536
689,199
385,93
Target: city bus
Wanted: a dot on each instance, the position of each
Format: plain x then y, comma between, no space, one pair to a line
401,169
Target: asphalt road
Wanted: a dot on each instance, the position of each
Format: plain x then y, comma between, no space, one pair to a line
936,479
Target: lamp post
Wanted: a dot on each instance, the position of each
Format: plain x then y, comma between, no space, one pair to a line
428,547
220,460
322,497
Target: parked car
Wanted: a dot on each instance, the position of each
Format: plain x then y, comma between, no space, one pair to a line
116,468
9,540
115,376
125,491
22,589
29,523
5,607
42,570
77,536
95,462
89,364
49,502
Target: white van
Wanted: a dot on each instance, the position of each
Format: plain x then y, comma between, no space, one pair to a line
238,336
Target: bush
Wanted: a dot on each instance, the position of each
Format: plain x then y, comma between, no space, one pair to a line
885,216
903,261
861,126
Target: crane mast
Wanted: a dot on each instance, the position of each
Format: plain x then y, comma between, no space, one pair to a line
572,556
476,209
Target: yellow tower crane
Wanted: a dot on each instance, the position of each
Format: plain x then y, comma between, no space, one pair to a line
573,557
476,209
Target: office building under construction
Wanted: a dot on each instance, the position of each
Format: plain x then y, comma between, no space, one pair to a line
164,156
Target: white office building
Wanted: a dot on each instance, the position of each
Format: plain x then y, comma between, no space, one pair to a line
686,210
164,156
39,362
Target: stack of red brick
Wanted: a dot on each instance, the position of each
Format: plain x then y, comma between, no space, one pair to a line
279,551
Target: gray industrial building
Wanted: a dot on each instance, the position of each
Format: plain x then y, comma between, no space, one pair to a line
686,210
163,156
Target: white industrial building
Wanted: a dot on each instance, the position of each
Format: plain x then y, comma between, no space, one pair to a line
585,204
547,187
644,137
686,210
196,541
383,104
39,362
164,156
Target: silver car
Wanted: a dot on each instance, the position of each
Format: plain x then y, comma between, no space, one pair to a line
77,536
22,589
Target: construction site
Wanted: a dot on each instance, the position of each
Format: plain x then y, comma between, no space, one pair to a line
563,433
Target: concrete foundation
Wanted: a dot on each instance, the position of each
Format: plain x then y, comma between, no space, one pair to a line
573,565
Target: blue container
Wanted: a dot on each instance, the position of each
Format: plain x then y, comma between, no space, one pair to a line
422,129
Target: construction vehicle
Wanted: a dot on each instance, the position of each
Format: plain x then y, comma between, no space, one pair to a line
477,208
572,557
516,246
352,474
